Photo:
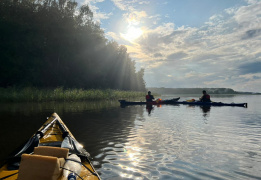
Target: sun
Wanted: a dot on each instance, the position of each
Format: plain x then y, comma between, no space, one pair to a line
132,34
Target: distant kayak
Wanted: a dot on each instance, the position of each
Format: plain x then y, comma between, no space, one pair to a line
158,101
175,101
199,103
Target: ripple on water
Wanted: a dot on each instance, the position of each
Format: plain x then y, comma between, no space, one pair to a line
182,142
172,142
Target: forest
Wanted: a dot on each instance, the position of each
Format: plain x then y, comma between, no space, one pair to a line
56,43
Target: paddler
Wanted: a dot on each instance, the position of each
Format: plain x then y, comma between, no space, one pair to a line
205,97
149,97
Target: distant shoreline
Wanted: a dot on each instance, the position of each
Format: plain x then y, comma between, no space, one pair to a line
225,91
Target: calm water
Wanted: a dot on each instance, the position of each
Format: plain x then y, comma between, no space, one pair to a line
170,142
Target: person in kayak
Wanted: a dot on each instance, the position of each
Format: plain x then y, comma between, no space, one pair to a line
205,97
149,97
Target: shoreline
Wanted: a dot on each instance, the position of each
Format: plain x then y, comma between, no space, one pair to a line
30,94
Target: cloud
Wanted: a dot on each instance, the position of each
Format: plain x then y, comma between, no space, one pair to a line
113,35
256,76
134,17
177,56
194,74
164,30
223,52
250,68
92,1
153,39
97,15
100,15
122,5
252,33
214,82
128,5
157,55
144,2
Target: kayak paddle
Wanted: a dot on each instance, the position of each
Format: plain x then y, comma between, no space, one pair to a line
70,143
34,141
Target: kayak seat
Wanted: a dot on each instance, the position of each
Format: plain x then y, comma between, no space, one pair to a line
38,167
52,151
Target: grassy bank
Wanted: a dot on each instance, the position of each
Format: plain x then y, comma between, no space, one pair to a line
61,94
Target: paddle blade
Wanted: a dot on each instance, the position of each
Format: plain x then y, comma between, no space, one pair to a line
77,146
29,146
67,143
74,146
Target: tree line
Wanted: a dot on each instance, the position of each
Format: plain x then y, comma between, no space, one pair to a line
52,43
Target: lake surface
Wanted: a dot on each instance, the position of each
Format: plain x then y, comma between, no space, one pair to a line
166,142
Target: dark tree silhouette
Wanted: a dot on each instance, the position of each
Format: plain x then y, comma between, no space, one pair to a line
50,43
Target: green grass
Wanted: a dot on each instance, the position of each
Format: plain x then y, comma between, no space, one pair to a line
30,94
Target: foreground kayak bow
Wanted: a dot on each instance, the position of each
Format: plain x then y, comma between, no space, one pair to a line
48,154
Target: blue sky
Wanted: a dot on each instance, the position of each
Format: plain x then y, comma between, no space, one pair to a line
188,43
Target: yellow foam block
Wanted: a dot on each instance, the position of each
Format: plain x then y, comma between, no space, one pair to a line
51,151
37,167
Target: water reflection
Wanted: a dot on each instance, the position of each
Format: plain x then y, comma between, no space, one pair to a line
149,107
102,128
146,142
205,110
20,120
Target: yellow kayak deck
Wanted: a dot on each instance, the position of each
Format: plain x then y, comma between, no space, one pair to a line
52,134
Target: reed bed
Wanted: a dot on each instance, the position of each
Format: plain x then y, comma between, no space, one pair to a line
30,94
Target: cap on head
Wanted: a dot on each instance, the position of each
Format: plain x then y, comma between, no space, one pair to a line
204,91
149,92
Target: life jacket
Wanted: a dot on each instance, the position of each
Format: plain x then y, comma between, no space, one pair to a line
149,98
206,98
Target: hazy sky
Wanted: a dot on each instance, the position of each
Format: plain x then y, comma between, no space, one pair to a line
188,43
